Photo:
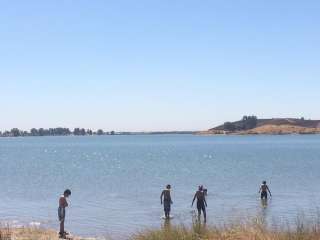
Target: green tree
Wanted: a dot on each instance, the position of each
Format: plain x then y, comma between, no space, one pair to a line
228,126
41,132
15,132
249,122
89,132
34,132
100,132
76,131
82,132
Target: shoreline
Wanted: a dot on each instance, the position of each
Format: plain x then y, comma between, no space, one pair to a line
267,130
253,134
242,229
251,125
115,134
34,233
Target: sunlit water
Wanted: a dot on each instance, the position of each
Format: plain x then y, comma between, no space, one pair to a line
116,181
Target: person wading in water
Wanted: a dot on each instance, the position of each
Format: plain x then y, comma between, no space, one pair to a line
264,189
201,203
167,201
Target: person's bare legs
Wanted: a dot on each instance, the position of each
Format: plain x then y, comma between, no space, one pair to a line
62,228
205,215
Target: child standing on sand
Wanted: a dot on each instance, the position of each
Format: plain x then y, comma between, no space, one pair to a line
62,212
167,201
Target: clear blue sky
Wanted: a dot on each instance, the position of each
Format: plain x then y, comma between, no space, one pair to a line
156,65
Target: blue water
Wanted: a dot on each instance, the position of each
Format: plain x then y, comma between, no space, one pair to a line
116,181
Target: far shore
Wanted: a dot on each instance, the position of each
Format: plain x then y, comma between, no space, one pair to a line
112,133
266,130
251,125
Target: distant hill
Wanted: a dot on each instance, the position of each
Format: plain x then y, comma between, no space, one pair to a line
253,125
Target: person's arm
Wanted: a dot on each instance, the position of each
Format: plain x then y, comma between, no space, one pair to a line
205,202
170,199
161,197
269,191
194,198
259,190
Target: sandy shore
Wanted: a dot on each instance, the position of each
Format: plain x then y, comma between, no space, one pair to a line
7,233
254,229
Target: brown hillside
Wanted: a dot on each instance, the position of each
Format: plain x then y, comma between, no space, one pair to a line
272,126
282,129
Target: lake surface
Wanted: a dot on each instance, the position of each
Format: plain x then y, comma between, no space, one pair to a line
116,181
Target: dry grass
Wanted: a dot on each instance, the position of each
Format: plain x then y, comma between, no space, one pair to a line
5,233
34,234
268,129
254,230
282,129
29,234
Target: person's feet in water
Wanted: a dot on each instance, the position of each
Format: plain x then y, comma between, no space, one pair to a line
165,199
201,202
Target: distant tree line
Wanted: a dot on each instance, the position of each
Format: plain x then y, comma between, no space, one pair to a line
247,122
15,132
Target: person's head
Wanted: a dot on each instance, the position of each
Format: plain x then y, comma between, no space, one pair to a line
264,182
200,188
168,186
67,193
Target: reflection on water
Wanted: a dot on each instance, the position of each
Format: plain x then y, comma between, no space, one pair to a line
264,210
116,181
166,225
264,203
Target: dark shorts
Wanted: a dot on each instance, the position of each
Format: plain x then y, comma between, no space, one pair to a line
264,195
61,213
167,205
201,206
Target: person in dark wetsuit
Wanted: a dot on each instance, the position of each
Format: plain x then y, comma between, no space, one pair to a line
201,203
167,201
264,189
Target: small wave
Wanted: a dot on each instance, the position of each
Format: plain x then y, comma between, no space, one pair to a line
34,224
12,223
113,195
